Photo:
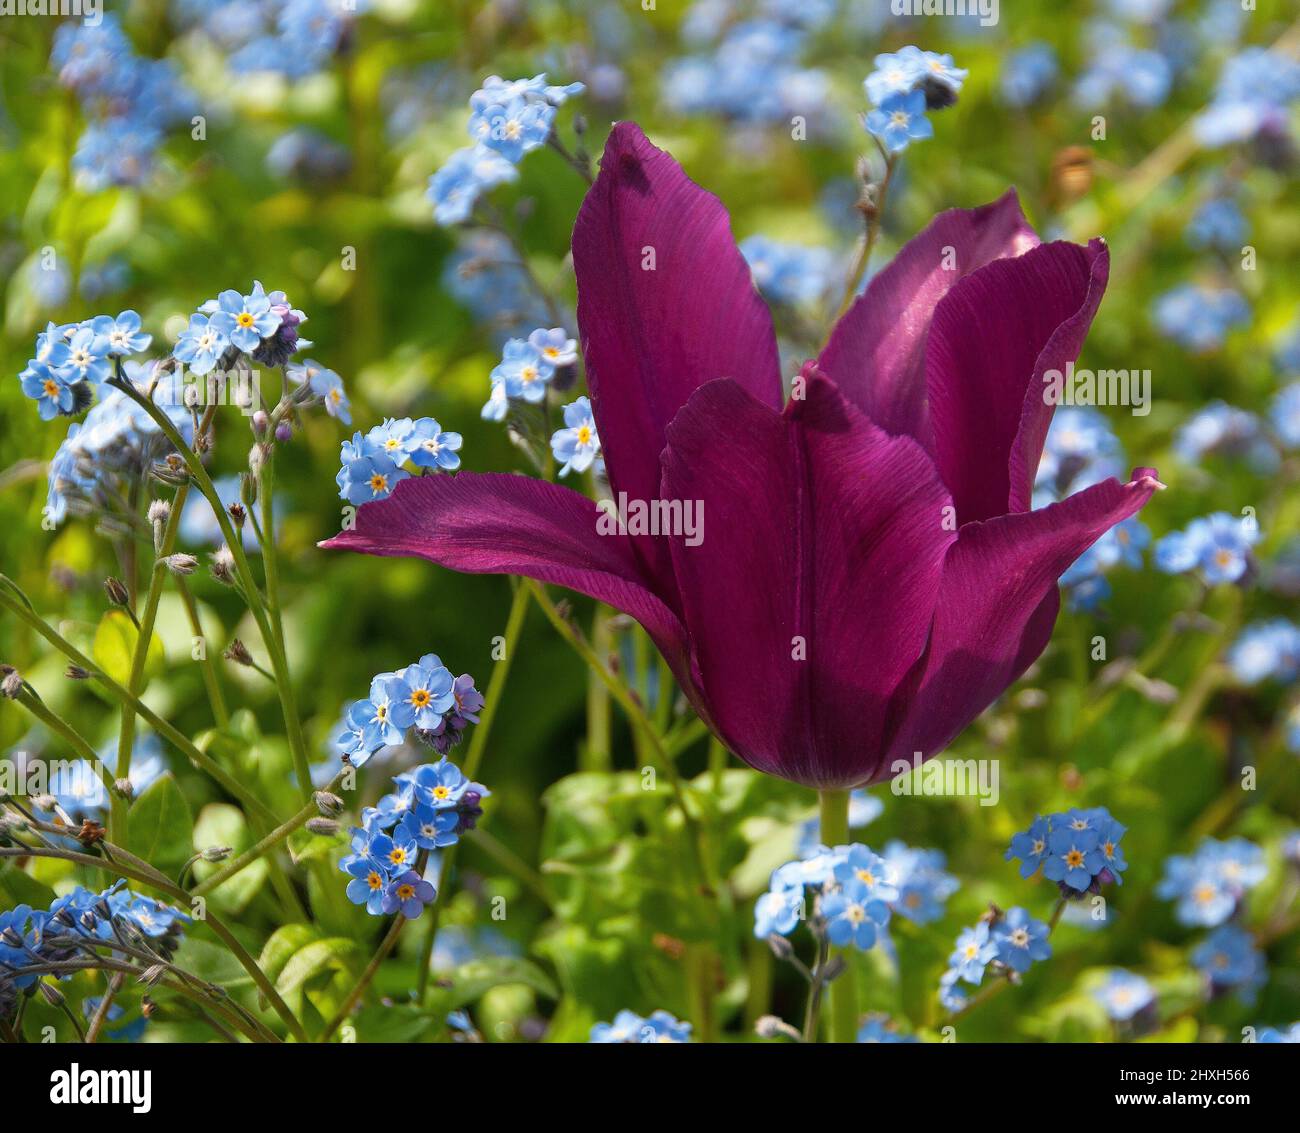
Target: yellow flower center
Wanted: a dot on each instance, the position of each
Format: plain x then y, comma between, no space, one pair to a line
441,793
244,319
378,483
397,855
51,388
374,880
406,892
1074,859
584,435
420,698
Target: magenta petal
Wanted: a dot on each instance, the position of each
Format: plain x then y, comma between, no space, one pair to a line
876,351
493,523
993,337
996,607
665,304
811,593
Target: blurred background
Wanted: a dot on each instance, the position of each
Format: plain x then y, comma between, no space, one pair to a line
198,146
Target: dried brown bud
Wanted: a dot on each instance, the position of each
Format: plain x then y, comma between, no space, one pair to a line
238,652
238,513
116,591
91,833
76,673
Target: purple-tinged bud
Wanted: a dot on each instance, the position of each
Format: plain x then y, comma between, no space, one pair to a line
284,431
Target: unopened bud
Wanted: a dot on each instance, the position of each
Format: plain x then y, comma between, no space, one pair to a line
259,422
117,593
256,458
76,673
329,805
284,431
223,565
238,513
159,511
153,976
147,1005
238,652
326,826
124,787
216,853
181,563
12,685
51,994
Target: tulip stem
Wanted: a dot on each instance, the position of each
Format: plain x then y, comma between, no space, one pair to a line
844,991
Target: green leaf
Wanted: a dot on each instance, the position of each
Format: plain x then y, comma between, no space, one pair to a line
17,887
162,828
114,647
283,945
332,953
471,980
220,824
214,963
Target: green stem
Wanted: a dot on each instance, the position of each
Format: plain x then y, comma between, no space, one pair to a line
119,815
349,1001
245,575
270,565
640,723
211,681
182,742
844,991
511,862
596,751
115,982
863,255
261,847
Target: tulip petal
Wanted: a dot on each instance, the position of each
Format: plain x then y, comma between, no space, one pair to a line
876,351
665,303
494,523
993,337
811,592
996,607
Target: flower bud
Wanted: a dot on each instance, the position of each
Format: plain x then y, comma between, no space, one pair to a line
160,511
216,853
330,805
76,673
12,685
124,787
181,563
116,591
259,422
284,431
223,565
325,826
51,994
238,652
238,513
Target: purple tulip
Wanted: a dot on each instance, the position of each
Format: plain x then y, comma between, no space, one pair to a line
870,575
